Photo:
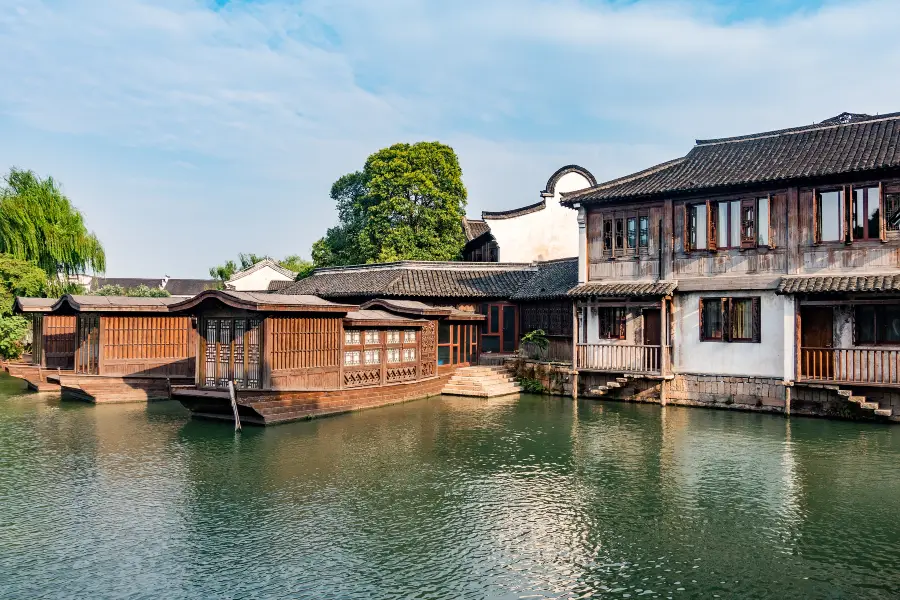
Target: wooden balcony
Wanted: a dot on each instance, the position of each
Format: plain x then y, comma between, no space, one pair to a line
866,366
622,358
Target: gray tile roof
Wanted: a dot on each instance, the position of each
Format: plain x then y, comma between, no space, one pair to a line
473,228
553,280
847,143
838,284
276,285
263,301
413,279
114,303
189,287
618,289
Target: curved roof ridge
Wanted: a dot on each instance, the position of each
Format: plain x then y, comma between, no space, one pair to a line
845,119
550,189
514,212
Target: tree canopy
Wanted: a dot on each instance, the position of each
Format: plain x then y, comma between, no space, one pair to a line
406,203
39,224
139,291
17,278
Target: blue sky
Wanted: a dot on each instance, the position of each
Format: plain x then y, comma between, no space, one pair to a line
190,130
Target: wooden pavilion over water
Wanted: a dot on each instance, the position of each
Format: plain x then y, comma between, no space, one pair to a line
53,344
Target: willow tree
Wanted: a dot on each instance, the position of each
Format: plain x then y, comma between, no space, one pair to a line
39,224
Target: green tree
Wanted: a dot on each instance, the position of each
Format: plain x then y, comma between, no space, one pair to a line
143,291
407,203
17,278
110,289
39,224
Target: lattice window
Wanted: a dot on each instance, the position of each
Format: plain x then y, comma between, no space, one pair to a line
240,326
373,337
373,357
351,358
409,355
393,337
409,336
892,211
393,355
212,333
351,338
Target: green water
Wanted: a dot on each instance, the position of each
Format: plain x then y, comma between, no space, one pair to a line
445,498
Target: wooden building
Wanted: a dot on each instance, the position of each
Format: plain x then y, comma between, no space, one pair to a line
741,242
52,344
126,349
544,304
298,356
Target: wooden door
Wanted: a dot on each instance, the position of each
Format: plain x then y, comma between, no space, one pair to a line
817,342
652,324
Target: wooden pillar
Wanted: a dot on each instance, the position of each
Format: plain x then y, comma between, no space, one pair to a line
793,232
663,399
798,328
787,400
576,335
663,347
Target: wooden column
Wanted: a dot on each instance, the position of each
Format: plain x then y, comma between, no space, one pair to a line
101,343
787,400
663,347
793,233
576,333
798,327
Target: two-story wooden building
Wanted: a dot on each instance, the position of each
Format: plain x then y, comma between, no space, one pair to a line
751,269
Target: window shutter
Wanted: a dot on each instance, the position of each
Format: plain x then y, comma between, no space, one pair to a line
817,235
701,320
726,319
780,201
848,205
881,212
712,224
757,321
687,228
622,324
748,207
849,214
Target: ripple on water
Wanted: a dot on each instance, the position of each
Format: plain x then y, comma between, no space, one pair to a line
458,498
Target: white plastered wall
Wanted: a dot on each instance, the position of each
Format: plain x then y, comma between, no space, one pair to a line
258,281
772,357
547,234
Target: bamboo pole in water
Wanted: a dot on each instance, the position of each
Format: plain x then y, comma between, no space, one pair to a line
233,394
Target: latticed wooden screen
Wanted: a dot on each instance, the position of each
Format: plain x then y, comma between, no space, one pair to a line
87,356
147,337
58,341
303,343
232,352
37,338
429,348
555,318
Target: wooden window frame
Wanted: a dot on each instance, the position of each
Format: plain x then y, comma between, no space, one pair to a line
817,224
614,234
612,325
878,314
631,243
892,191
643,243
866,201
726,315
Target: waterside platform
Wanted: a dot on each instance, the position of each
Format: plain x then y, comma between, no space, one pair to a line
38,378
101,389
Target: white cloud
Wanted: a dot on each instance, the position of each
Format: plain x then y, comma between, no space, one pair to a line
244,116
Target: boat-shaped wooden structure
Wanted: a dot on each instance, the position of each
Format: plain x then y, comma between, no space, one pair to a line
126,349
298,356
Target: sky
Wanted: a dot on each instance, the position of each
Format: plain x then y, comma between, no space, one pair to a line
187,131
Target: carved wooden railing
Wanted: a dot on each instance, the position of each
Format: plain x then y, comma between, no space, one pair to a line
850,365
621,358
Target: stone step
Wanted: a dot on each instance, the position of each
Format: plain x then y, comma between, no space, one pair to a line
600,389
488,389
621,380
613,384
844,393
483,378
493,393
857,399
869,405
884,412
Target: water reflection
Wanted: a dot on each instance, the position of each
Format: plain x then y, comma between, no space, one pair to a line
529,497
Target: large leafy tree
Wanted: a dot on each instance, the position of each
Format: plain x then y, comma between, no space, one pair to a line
407,203
17,278
39,224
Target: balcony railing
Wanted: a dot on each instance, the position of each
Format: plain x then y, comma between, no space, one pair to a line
622,358
850,365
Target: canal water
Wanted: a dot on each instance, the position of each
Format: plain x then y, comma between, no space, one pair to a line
531,497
